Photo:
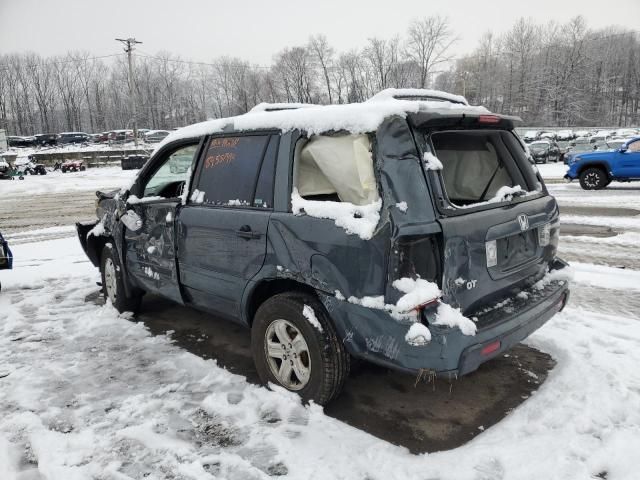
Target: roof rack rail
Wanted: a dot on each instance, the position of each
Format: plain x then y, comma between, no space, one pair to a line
418,94
276,107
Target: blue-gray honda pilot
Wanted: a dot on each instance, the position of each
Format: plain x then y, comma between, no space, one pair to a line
413,233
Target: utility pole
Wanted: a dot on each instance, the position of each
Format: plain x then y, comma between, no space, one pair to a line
129,45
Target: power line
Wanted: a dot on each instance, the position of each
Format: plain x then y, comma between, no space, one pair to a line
62,62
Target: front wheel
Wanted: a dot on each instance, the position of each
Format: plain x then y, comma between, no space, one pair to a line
294,345
593,179
113,283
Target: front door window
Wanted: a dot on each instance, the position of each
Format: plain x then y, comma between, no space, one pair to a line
170,178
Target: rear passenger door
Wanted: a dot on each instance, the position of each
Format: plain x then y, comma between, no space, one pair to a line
222,231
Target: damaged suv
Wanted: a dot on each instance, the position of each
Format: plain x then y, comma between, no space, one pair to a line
412,233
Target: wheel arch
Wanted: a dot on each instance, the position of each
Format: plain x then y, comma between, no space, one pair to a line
597,164
267,288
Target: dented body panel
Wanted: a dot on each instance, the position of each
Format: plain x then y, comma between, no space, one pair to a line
220,259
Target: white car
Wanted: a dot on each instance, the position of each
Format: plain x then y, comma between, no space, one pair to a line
566,135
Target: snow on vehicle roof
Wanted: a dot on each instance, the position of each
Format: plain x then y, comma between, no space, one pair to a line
275,107
73,133
411,94
355,118
541,142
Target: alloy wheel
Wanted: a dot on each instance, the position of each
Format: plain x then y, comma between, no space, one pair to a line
287,354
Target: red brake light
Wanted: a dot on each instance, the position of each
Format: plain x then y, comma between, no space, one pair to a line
492,347
493,119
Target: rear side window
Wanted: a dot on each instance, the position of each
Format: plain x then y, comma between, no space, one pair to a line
232,172
478,166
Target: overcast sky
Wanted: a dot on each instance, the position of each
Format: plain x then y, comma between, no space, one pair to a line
256,29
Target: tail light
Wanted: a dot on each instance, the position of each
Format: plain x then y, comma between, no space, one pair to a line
490,119
490,348
544,234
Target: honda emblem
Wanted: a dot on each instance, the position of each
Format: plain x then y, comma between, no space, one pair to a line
523,220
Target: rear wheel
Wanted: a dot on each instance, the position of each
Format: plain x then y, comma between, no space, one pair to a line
291,352
593,178
113,284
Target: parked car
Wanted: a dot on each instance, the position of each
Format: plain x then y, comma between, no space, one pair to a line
121,136
5,170
531,135
565,135
579,145
544,151
626,132
73,137
380,243
598,169
133,162
73,166
21,142
548,136
46,139
6,257
600,136
582,133
155,136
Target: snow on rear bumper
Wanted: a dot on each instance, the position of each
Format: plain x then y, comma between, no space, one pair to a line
374,336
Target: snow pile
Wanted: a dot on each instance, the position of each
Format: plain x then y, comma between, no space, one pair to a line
355,118
564,275
418,335
402,206
411,94
358,220
452,317
432,162
273,107
134,200
185,188
416,292
310,315
98,230
197,196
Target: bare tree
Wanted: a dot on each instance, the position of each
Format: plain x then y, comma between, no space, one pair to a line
428,44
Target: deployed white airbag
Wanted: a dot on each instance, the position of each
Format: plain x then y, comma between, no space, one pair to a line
339,165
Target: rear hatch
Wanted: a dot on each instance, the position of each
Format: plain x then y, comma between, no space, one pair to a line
499,225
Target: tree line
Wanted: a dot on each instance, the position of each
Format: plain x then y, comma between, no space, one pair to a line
549,74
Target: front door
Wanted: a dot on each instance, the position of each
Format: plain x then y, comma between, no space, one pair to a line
222,231
628,162
150,234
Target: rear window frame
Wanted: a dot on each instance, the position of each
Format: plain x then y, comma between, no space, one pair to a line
435,178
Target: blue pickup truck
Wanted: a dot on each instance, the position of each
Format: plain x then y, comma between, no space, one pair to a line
598,169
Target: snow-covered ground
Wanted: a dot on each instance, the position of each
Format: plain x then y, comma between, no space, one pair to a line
87,393
56,182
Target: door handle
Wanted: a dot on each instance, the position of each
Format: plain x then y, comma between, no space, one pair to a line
246,233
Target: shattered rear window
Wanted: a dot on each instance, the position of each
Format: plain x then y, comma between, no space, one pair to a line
479,166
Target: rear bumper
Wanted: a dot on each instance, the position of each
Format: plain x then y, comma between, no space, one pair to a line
374,336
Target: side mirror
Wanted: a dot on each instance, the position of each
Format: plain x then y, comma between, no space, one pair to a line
131,220
622,149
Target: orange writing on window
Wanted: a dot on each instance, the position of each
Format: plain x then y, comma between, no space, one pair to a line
224,142
213,161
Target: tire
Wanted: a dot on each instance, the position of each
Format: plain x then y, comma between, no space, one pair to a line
83,168
113,284
322,355
593,178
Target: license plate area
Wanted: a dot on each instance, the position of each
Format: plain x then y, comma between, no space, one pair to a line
516,250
